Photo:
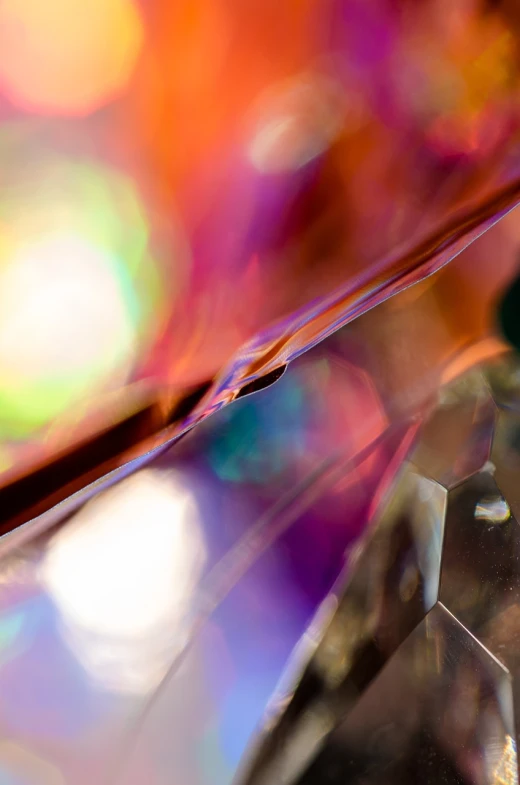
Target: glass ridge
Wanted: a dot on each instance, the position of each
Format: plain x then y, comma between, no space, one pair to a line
416,676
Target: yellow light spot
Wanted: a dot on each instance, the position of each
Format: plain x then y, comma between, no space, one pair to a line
506,771
65,327
67,56
81,298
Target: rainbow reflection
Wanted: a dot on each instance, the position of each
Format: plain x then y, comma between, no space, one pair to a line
66,56
77,287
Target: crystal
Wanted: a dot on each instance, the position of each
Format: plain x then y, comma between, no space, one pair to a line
456,440
439,712
416,675
357,148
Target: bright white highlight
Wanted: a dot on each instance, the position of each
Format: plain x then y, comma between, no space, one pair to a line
123,573
63,311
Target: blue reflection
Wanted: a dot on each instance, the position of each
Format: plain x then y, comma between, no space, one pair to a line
43,690
243,709
257,437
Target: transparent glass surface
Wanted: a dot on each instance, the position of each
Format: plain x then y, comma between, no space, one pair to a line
194,196
414,674
148,620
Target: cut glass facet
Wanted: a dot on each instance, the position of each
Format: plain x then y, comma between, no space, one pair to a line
417,674
439,712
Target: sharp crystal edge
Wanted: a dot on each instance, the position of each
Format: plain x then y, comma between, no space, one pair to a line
415,675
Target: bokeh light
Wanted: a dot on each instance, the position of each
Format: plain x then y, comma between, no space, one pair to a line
62,315
122,575
453,75
78,287
297,122
67,56
304,144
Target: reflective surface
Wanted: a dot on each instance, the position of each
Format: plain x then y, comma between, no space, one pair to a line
192,196
440,712
144,626
414,677
149,231
147,622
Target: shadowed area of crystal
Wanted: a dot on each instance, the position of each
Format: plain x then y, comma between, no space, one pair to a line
480,581
417,675
480,571
371,621
504,380
439,712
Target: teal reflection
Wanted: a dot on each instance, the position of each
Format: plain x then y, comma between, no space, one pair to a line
11,626
258,437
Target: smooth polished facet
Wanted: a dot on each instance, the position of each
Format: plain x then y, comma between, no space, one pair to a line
357,146
439,712
480,580
429,614
456,439
392,582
